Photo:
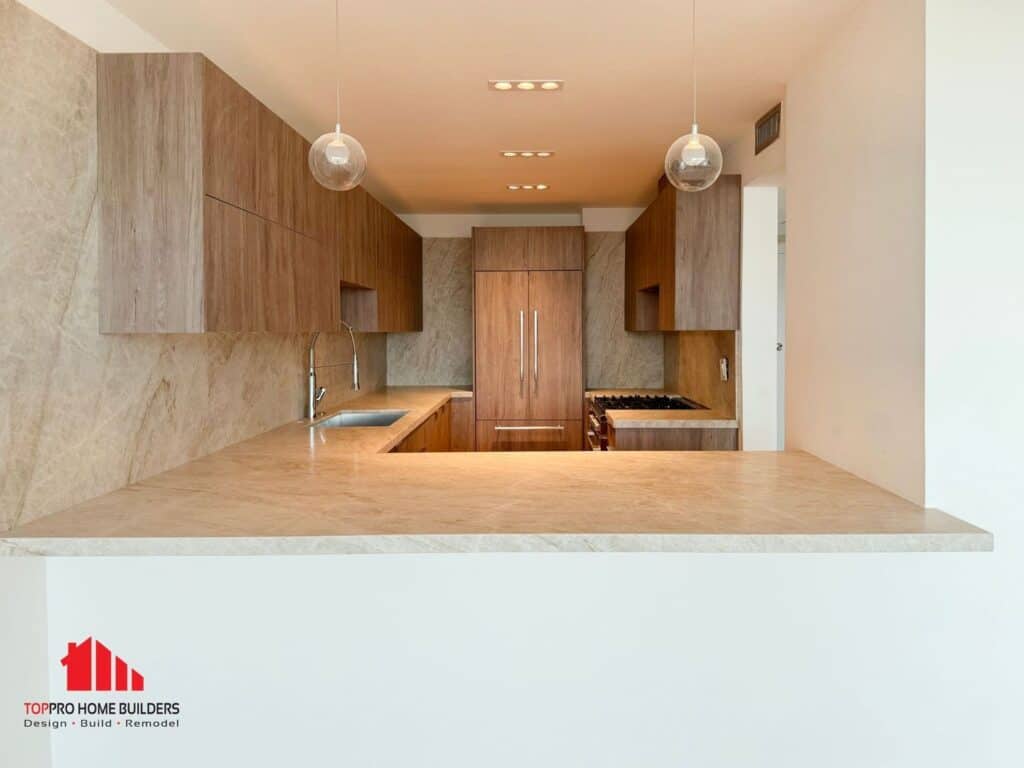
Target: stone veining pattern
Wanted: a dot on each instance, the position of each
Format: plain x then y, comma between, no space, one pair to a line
443,353
82,414
614,357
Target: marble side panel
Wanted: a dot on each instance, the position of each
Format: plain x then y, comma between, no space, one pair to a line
614,357
442,354
82,414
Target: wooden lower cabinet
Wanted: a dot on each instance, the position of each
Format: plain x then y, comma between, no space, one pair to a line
673,439
529,435
438,430
432,436
463,424
415,442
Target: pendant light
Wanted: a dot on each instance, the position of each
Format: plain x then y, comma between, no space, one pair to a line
694,161
336,159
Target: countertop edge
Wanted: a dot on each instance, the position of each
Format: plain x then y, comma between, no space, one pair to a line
774,543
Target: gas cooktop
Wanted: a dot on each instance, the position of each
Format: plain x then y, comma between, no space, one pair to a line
645,403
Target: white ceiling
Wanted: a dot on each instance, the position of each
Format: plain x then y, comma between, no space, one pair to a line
414,84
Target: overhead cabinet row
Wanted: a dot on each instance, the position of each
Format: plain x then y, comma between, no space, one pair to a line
211,221
683,260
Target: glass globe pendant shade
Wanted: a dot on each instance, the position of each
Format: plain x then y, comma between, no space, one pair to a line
693,162
337,161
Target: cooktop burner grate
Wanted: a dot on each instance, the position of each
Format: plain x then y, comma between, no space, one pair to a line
645,403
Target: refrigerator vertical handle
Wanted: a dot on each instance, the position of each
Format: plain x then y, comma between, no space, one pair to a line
536,356
522,349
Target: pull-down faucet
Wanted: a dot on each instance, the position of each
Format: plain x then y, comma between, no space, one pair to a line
316,393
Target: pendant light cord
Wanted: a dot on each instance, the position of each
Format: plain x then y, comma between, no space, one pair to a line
693,54
337,67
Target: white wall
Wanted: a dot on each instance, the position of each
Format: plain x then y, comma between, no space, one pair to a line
24,672
974,351
97,24
759,317
855,248
601,660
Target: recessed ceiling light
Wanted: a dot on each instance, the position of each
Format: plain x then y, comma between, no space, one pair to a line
513,187
527,153
527,186
542,187
526,85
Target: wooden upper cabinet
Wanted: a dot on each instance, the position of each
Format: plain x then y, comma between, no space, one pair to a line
361,233
682,269
519,248
211,221
555,248
231,121
500,248
381,269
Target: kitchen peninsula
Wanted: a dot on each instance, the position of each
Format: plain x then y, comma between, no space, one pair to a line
314,490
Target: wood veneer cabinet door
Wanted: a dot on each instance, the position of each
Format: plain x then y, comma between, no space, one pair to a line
501,248
674,439
708,258
463,424
555,248
277,281
556,344
228,288
438,430
414,443
150,189
317,299
412,250
501,305
230,120
361,232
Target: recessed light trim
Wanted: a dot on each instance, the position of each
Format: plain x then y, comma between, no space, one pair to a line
527,153
526,86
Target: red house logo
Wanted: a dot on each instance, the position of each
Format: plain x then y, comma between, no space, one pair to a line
112,673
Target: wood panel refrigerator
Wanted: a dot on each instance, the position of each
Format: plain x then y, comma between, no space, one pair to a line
529,348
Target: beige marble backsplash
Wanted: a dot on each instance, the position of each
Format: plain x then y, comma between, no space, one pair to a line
443,353
614,358
82,414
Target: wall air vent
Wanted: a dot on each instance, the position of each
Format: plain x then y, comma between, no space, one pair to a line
767,129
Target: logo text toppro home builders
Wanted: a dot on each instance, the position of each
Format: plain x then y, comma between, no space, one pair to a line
93,670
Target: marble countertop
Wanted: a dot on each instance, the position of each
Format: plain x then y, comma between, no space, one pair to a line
623,418
297,490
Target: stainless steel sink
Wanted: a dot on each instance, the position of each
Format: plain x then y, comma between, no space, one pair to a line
362,419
